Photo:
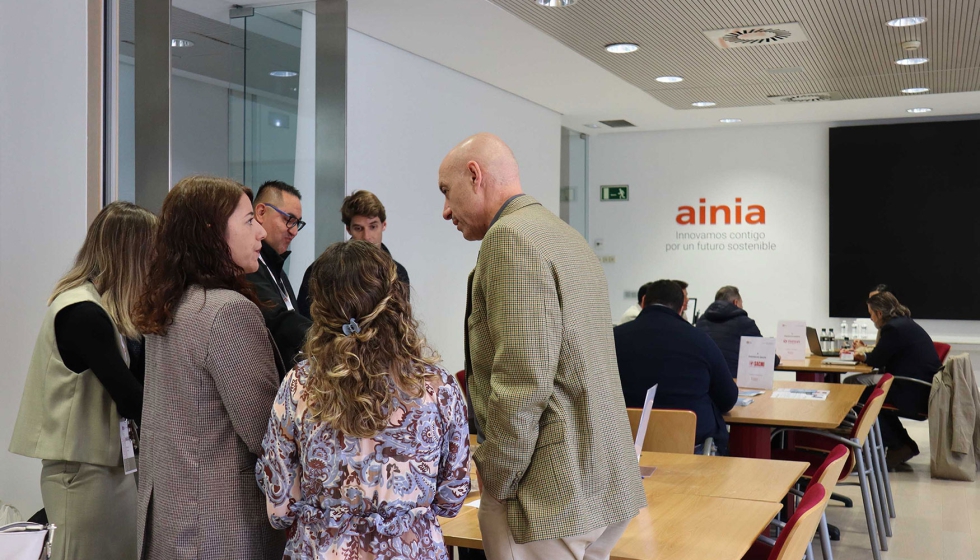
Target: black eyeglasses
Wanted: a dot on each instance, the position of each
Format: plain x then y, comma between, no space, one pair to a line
291,221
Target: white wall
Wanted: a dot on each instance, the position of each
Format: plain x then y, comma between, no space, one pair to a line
404,114
784,168
43,47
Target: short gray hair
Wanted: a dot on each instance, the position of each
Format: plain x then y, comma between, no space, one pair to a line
728,293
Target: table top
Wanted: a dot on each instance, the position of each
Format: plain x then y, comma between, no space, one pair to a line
826,414
719,477
814,364
689,496
671,527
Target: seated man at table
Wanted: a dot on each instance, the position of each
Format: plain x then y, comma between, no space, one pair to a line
660,347
726,322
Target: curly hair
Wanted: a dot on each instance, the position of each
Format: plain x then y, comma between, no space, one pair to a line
115,258
350,376
190,248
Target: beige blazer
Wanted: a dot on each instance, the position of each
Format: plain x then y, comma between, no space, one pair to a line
542,375
954,421
66,416
210,384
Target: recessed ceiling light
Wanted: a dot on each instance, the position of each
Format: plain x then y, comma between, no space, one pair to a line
181,43
920,110
911,61
282,74
906,21
915,90
555,3
670,79
703,104
622,48
591,126
730,121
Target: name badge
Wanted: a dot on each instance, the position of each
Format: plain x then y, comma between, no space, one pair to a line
128,452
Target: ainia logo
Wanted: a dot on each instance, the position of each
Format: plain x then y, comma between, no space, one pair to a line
687,215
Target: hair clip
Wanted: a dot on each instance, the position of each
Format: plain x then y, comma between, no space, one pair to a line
351,328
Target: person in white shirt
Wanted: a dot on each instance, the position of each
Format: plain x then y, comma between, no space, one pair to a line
635,309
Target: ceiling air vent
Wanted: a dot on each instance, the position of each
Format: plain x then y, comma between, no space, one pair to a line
618,123
802,98
756,35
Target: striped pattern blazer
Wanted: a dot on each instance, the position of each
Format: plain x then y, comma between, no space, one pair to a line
542,375
210,383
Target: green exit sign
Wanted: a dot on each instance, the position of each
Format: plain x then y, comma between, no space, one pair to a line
615,192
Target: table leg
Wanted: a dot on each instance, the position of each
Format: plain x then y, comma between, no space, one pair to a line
746,440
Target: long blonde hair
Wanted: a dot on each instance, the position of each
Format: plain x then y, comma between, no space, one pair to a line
114,258
350,375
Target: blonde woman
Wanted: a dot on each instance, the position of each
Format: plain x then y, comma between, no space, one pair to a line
368,441
83,382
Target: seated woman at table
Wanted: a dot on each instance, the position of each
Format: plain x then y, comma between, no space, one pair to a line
904,349
369,441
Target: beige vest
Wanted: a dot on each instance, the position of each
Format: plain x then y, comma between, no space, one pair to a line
66,416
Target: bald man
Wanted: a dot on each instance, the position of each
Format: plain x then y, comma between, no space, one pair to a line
557,465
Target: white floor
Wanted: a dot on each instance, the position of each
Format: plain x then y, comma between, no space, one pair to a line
937,519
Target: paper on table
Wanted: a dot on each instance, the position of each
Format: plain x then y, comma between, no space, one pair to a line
744,401
801,394
791,340
749,393
756,361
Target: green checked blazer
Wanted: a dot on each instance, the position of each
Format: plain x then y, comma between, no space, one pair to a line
542,375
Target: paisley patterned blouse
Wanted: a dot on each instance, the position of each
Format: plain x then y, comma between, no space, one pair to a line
360,499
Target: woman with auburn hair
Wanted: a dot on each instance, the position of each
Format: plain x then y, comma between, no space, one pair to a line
211,376
904,349
84,388
368,441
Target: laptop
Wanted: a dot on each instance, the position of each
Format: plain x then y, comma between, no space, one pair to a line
641,430
814,341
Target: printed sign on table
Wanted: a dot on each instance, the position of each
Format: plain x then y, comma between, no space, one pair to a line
756,362
791,341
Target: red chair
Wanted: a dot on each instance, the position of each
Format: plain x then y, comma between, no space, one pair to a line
796,536
942,349
461,377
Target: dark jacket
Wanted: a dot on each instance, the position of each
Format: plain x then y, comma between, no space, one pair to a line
660,347
726,324
288,327
906,350
303,303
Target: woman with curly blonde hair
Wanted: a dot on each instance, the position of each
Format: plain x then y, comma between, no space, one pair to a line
368,441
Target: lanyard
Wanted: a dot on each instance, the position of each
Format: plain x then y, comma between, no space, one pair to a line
279,285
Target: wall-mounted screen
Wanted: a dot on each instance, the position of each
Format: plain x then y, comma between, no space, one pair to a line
905,211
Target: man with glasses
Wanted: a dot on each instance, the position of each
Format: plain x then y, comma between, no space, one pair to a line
280,211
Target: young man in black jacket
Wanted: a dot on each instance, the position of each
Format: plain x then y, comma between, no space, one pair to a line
660,347
726,322
280,211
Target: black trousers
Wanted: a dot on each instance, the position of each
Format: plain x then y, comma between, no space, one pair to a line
893,433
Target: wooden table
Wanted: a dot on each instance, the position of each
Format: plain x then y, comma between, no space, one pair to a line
813,369
697,507
751,425
719,477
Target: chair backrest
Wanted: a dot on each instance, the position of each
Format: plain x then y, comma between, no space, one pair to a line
799,531
866,418
885,383
942,349
832,468
669,431
461,377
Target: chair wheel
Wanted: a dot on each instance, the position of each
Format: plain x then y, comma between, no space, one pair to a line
834,532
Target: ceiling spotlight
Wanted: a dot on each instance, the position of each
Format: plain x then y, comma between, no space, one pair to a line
918,110
915,90
282,74
703,104
555,3
181,43
911,61
670,79
622,48
591,126
730,121
906,21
